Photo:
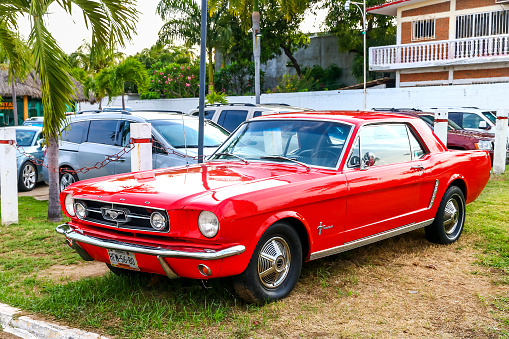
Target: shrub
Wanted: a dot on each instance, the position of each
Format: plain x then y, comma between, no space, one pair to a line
237,78
173,81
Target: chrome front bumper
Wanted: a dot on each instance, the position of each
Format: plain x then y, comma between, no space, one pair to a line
160,253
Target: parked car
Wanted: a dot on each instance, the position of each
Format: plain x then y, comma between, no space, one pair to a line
470,118
90,138
230,116
281,190
34,121
30,140
457,138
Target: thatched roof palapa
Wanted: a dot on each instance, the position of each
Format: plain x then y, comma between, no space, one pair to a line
31,87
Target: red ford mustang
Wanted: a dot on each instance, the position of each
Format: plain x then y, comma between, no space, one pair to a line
283,189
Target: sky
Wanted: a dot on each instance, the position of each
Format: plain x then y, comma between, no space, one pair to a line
70,32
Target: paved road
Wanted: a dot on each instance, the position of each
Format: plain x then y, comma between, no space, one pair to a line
40,192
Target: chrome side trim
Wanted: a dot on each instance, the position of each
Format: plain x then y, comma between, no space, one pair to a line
433,196
71,234
170,273
371,239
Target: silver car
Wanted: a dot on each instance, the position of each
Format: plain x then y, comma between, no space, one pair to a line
29,141
90,139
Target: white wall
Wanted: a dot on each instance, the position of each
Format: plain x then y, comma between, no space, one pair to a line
484,96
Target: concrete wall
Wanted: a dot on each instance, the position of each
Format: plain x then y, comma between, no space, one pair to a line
484,96
322,50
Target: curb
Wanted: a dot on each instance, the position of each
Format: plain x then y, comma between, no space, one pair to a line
28,328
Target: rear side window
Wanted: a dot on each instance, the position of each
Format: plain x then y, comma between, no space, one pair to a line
257,114
231,119
103,132
74,132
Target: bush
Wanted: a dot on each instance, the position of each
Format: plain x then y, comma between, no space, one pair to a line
237,78
173,81
216,97
312,79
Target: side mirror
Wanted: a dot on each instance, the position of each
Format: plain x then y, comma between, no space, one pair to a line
483,124
368,160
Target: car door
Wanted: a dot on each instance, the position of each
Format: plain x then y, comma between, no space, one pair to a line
385,194
101,143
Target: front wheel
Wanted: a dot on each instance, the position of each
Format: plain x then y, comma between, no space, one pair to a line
27,176
67,178
274,267
450,218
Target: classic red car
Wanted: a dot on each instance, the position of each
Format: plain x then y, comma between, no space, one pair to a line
283,189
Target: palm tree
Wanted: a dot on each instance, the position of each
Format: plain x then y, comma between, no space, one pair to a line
129,70
110,21
16,56
243,9
184,22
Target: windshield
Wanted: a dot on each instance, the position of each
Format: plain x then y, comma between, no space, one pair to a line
430,120
173,132
311,142
491,116
24,138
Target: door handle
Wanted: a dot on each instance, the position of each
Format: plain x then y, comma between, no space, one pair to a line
418,167
114,158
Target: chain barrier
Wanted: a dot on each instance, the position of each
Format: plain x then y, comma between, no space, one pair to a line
108,159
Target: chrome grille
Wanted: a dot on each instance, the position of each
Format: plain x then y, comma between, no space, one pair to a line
122,216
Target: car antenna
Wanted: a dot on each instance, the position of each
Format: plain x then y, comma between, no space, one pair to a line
185,141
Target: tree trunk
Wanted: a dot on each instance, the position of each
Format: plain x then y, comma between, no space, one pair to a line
54,210
123,102
211,72
289,54
256,51
14,101
101,104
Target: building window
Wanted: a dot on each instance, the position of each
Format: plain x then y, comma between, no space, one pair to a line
423,29
482,24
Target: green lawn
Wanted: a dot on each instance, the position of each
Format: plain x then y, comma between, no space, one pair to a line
144,307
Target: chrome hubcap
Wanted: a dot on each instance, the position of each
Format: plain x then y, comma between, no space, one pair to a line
274,262
66,180
452,216
28,176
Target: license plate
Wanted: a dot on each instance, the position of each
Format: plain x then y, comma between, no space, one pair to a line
123,259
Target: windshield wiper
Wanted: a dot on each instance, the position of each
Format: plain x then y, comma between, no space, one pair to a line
280,157
233,155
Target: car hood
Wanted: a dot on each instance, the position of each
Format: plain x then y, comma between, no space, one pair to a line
173,188
473,134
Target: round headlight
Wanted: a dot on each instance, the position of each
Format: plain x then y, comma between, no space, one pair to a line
208,224
81,210
158,221
69,204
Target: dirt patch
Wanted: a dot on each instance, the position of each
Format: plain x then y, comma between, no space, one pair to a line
399,288
66,273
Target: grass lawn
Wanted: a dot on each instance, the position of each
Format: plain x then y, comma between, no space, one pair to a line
399,287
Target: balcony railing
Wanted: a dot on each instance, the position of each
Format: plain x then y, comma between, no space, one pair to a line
440,53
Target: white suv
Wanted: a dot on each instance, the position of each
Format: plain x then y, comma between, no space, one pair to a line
470,118
230,116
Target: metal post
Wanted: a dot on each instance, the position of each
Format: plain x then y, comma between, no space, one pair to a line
8,176
141,154
500,150
441,124
201,103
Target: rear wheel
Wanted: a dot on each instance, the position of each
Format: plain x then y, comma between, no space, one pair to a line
27,176
450,218
274,267
67,177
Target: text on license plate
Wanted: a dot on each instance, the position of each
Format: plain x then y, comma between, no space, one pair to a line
123,259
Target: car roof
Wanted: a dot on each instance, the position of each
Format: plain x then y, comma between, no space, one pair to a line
137,115
353,117
26,128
